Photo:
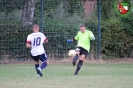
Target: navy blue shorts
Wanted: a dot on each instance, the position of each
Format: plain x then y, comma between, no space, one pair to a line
42,57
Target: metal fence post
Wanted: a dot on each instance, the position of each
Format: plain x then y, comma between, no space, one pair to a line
41,14
99,27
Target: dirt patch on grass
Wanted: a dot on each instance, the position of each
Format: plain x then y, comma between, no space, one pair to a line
120,60
95,61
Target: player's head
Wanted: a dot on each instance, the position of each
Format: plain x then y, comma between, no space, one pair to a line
35,28
82,27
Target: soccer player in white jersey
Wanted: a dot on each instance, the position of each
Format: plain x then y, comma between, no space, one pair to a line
35,42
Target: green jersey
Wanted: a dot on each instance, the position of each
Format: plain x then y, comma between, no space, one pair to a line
84,39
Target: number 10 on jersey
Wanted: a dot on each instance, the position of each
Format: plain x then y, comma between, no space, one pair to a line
37,41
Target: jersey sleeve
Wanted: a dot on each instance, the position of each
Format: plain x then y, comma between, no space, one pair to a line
28,40
45,38
77,36
92,37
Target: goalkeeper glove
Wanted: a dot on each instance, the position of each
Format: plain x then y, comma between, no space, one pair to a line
69,41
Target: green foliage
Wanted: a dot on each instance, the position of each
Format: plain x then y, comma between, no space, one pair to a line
107,9
8,6
116,32
128,23
13,38
116,38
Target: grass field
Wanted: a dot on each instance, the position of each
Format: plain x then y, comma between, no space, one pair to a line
61,76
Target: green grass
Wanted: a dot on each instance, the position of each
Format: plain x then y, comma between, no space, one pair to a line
61,76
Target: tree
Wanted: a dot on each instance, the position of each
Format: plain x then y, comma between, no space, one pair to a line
28,12
26,6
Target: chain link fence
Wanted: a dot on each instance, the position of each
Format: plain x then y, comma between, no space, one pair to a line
58,20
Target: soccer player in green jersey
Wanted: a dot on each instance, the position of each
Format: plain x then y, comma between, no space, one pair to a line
83,37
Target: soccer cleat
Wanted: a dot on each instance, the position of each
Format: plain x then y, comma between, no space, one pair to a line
74,63
39,71
76,73
38,75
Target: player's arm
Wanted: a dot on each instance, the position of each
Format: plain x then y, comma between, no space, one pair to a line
92,37
28,43
74,39
46,40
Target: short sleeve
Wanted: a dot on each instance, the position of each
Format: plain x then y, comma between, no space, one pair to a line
45,38
28,39
77,36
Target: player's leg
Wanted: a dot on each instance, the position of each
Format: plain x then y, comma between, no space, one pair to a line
36,66
84,54
76,56
80,63
36,59
44,60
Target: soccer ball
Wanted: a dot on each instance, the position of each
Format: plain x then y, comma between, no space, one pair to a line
71,53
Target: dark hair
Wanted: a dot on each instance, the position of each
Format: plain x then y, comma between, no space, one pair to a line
81,25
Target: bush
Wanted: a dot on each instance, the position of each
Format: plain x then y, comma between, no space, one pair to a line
13,40
116,39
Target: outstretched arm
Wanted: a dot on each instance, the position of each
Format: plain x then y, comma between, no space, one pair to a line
71,40
74,39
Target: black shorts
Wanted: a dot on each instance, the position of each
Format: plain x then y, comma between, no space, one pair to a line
82,51
42,57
